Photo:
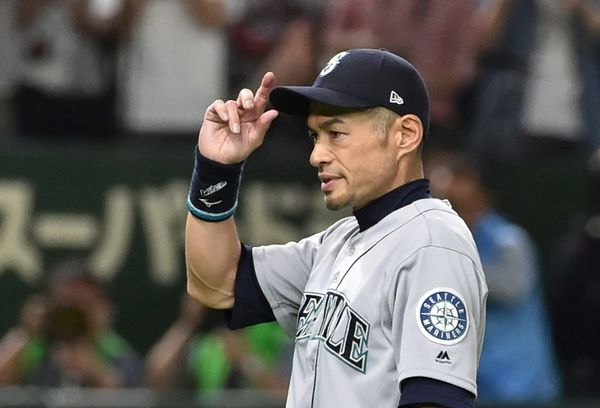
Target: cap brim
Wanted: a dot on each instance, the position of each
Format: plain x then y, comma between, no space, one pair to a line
295,100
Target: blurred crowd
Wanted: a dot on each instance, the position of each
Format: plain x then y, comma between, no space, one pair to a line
122,68
504,76
507,79
65,337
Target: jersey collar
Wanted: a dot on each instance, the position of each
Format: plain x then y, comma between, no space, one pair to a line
377,209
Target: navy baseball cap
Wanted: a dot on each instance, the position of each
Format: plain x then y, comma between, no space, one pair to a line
360,78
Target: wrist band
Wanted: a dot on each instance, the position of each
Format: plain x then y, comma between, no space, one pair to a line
214,189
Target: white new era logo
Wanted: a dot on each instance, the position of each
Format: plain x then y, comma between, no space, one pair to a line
395,98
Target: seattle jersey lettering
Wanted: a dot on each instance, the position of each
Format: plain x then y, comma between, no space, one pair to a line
330,319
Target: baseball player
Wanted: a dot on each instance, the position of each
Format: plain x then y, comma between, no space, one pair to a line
387,306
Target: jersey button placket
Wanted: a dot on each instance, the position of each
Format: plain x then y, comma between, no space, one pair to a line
344,264
335,280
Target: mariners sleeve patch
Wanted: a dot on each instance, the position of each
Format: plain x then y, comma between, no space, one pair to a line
442,316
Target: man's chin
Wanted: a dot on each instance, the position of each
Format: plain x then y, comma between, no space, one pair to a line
334,205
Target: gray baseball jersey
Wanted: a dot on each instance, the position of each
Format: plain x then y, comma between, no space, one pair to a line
404,298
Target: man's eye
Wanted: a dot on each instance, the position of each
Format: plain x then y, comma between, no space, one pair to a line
312,136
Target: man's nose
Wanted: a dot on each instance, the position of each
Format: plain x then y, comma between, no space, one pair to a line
320,155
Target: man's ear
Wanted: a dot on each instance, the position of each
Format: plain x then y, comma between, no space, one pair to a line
408,132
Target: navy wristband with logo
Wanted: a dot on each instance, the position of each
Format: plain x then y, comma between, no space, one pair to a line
214,188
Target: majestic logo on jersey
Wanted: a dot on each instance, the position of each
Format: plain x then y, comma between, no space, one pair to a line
443,358
333,63
442,316
330,319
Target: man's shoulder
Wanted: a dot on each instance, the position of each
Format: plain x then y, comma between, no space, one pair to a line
425,221
435,205
442,227
426,215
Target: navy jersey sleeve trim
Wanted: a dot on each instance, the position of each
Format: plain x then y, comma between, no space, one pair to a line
422,390
250,306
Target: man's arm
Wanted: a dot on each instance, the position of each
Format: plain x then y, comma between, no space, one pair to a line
212,253
230,132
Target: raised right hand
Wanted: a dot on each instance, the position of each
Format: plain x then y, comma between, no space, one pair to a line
233,129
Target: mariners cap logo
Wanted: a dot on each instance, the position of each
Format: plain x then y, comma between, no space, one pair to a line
442,316
333,63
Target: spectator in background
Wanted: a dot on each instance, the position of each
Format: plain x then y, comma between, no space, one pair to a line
555,104
174,63
65,337
437,36
517,362
66,86
574,294
544,58
506,38
278,36
193,355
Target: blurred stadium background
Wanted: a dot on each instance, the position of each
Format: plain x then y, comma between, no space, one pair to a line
101,100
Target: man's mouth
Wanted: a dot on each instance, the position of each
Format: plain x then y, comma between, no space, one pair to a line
328,182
